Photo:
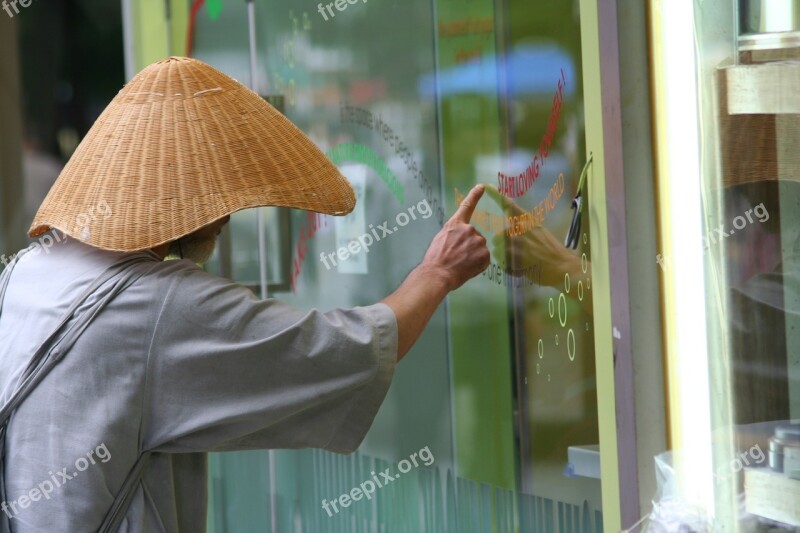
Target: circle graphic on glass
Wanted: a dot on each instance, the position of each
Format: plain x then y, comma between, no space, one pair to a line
571,344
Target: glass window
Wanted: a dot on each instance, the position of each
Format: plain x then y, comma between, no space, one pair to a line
742,410
416,104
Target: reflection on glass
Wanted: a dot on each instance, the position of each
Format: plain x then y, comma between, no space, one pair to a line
751,244
413,110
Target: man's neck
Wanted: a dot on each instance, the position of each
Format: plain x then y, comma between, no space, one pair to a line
162,250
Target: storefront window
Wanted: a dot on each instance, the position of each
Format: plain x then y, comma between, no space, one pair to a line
742,103
498,400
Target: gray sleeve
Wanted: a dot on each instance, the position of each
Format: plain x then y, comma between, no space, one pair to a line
227,371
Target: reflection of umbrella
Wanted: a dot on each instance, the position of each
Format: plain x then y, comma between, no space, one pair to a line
529,69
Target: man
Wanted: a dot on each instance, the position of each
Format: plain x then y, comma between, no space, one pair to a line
181,362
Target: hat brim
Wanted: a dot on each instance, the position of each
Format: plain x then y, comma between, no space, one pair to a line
183,145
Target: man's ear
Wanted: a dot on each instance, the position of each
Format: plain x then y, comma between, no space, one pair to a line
166,250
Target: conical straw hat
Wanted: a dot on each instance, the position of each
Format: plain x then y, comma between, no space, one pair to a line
180,146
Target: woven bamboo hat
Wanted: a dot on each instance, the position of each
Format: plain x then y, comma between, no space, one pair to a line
180,146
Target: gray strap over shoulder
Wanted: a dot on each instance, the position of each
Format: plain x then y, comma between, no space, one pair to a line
49,354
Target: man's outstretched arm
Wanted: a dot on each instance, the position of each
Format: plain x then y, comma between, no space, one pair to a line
456,254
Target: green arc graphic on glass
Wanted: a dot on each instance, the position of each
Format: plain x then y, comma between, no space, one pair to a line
359,153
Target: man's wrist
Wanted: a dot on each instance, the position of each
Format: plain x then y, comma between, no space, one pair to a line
435,276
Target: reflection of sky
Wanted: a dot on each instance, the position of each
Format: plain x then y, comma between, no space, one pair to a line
530,70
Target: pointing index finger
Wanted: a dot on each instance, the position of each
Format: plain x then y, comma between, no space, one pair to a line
506,204
468,205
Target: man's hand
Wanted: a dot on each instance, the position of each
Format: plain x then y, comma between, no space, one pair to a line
537,246
456,254
458,250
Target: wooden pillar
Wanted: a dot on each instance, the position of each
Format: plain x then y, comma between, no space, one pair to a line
12,224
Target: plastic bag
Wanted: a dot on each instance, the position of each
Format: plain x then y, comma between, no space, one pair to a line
671,512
